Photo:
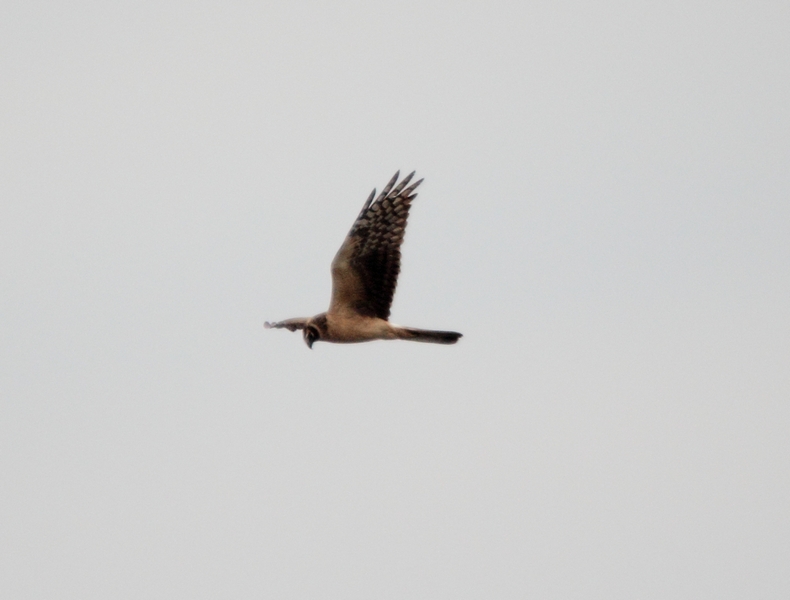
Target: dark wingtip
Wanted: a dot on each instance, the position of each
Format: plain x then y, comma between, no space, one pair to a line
369,200
412,187
398,191
388,187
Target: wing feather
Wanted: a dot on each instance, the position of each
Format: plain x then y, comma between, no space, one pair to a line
366,267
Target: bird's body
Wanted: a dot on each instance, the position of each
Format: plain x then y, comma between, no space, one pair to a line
350,328
364,275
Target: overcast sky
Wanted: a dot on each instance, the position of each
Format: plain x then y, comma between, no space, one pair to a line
605,217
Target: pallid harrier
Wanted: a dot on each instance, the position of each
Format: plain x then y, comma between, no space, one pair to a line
364,274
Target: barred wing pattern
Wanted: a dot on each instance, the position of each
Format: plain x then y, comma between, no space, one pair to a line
365,269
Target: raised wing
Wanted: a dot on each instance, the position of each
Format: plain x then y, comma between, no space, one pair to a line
365,269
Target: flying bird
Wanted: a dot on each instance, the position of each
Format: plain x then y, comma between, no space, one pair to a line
364,275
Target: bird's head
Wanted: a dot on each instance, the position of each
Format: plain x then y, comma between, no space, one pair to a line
311,333
315,329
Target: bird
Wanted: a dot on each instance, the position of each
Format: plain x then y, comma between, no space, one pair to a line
364,275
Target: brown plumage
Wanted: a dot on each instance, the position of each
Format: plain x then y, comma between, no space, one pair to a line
364,276
366,268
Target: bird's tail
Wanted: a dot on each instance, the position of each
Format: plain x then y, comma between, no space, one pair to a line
427,335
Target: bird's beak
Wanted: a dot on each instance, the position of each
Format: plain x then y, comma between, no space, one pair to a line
309,343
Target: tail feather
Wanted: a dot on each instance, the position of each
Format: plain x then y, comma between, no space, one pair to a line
427,335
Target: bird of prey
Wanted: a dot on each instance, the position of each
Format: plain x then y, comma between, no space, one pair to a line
364,274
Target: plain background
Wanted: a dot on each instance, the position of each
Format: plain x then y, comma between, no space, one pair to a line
605,216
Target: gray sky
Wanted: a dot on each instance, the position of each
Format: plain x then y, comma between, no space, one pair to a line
605,216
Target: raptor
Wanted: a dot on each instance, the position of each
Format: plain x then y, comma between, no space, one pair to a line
364,275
